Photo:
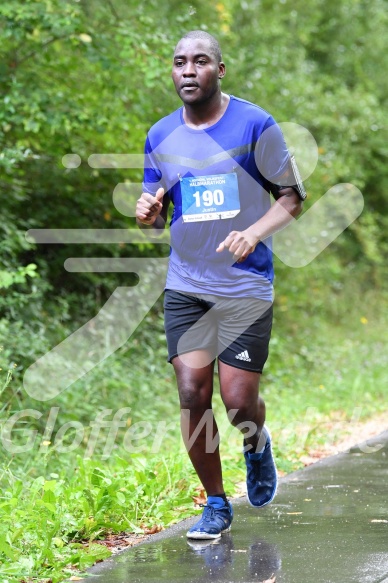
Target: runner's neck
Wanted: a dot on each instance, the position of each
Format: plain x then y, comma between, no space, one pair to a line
204,116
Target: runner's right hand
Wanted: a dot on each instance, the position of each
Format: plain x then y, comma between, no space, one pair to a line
149,207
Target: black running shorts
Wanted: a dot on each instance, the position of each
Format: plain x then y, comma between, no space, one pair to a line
236,330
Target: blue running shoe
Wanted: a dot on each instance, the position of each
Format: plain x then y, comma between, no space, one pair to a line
262,478
215,520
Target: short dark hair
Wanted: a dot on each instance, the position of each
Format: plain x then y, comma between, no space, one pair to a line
214,44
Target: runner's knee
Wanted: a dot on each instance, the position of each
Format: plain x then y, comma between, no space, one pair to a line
242,414
194,397
241,403
195,387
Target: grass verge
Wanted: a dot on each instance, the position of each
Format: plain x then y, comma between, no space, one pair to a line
57,503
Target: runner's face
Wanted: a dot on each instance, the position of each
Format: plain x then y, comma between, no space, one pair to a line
196,71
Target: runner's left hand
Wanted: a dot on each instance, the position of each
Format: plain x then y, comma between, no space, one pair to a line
240,243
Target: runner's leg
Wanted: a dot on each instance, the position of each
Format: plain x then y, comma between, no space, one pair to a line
240,391
199,428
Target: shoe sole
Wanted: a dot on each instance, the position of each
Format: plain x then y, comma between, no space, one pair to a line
205,535
276,483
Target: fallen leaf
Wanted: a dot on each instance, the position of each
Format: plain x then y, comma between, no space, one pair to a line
75,578
154,529
201,498
117,542
292,513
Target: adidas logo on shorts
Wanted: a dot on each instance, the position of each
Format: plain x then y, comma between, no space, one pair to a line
243,356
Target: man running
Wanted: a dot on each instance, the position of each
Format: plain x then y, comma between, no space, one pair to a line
216,159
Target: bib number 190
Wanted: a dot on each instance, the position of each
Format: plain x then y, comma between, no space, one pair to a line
209,198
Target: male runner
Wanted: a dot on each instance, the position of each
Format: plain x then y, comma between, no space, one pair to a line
216,159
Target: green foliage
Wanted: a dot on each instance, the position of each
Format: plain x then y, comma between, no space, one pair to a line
91,77
318,66
51,526
8,278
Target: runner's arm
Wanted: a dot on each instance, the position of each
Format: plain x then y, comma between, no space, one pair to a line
241,243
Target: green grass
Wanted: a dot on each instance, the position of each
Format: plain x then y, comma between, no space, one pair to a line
327,364
46,522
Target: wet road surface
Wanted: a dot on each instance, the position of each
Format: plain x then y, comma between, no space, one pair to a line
327,524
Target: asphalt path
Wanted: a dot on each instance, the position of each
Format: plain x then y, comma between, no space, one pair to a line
327,524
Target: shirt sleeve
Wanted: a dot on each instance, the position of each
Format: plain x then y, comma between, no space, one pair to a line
152,178
272,155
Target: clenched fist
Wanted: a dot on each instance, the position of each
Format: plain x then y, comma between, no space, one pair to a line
149,207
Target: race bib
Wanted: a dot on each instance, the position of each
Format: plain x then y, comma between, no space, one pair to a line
210,198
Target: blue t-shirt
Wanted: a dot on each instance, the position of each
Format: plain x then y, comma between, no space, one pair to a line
218,181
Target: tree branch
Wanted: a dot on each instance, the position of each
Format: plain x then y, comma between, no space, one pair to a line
32,53
113,10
